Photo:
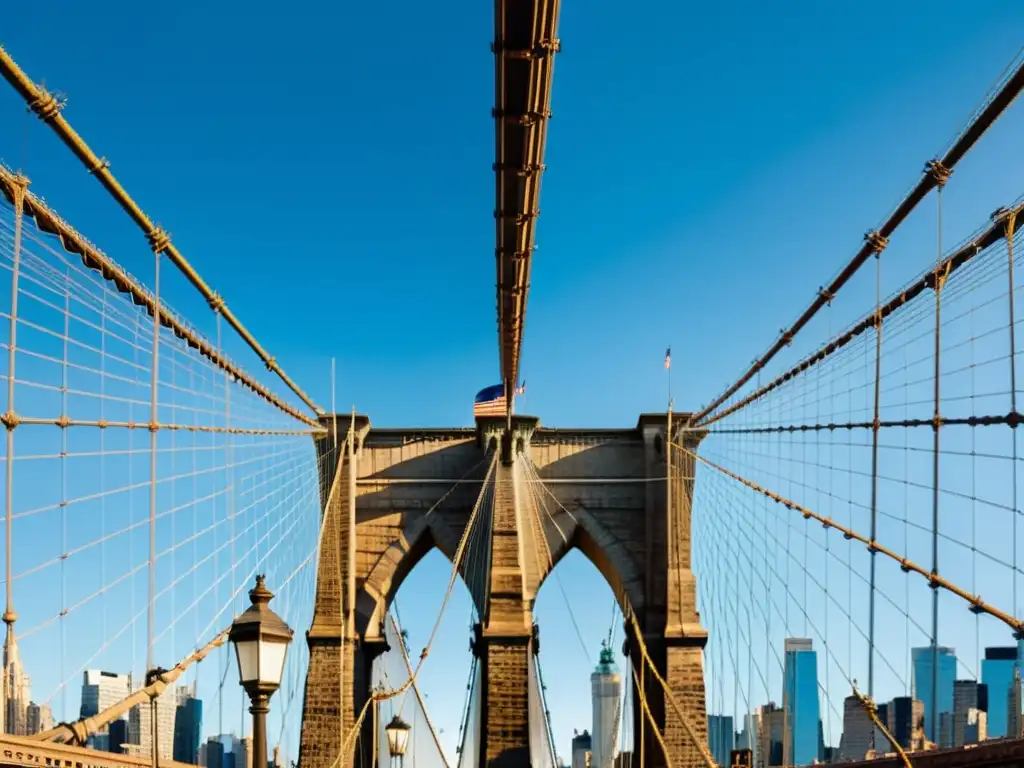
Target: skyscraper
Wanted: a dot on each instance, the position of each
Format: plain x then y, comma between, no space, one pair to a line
970,705
858,731
882,744
102,690
38,717
214,752
1013,706
923,661
17,687
721,737
747,738
606,690
997,674
581,744
770,735
906,722
801,701
117,736
140,728
242,749
188,725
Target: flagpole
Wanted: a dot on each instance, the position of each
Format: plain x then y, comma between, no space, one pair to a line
334,411
668,367
669,516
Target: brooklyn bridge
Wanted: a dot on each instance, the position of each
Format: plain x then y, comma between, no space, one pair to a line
818,564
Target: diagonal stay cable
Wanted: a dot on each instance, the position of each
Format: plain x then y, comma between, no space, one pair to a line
875,242
416,691
48,109
456,562
977,604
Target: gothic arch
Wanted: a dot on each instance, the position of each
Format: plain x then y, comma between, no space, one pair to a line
609,555
373,598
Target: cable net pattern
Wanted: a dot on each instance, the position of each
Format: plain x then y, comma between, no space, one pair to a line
390,670
542,748
856,520
145,486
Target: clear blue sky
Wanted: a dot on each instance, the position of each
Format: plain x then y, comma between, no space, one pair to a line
327,169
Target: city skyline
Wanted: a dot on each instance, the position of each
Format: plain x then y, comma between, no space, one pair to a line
179,717
792,734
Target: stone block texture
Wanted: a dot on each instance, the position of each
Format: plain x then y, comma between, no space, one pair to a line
505,722
636,531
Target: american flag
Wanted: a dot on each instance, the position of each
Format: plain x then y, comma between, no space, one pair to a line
521,389
490,401
668,358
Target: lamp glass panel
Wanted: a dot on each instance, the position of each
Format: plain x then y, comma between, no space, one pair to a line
272,655
247,652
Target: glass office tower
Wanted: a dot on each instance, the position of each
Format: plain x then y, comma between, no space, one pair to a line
922,660
721,737
997,674
801,701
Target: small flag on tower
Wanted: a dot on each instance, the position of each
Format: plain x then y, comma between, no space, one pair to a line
668,358
521,389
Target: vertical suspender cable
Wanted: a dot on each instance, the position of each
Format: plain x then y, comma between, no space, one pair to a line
10,421
941,175
1011,222
875,426
153,426
64,488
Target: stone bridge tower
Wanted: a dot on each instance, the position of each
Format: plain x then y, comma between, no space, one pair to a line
392,495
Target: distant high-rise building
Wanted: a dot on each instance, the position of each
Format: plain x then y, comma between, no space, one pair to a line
17,687
924,661
945,730
215,752
905,721
771,733
100,691
581,743
881,742
997,673
242,750
970,705
801,701
976,729
721,737
38,717
1013,706
188,725
858,731
606,691
140,726
117,736
747,738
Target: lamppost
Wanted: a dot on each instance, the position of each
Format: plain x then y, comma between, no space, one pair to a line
261,640
398,738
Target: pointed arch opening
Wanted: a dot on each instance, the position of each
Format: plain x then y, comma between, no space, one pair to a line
406,599
586,674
